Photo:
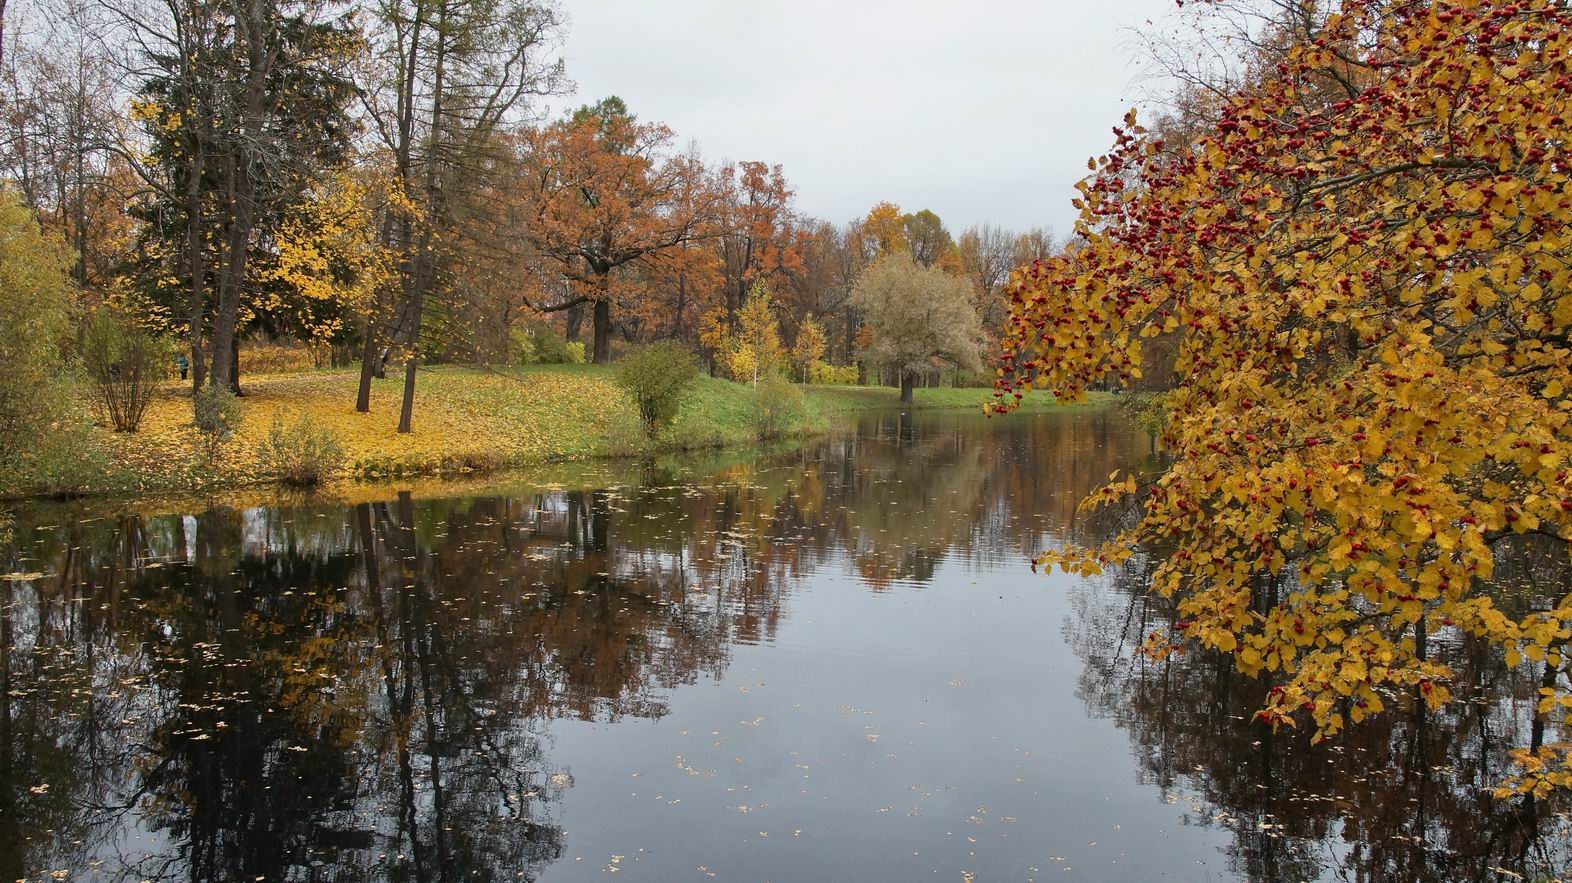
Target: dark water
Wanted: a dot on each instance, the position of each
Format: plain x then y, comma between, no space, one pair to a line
824,664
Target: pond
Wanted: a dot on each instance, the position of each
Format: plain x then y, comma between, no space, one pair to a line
827,662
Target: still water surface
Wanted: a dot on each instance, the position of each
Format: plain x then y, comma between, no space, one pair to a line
828,663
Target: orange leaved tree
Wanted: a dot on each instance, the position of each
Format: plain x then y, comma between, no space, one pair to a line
1366,261
756,235
607,195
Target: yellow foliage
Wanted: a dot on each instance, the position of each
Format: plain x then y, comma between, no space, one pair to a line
754,349
329,251
808,350
1367,264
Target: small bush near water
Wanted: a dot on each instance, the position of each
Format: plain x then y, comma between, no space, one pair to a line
657,376
778,405
125,363
301,454
216,413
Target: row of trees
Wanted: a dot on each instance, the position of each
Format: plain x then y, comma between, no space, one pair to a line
375,179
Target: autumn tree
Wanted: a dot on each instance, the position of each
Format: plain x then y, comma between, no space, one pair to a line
809,347
329,261
450,76
671,291
62,104
1369,256
1036,244
609,194
37,300
822,287
243,107
919,318
755,232
988,254
926,236
881,232
753,349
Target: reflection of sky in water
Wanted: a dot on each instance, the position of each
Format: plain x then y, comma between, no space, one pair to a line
824,663
897,736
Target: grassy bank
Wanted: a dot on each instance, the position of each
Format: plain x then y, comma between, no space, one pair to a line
466,420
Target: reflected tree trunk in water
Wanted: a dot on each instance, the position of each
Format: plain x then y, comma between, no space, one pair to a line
13,848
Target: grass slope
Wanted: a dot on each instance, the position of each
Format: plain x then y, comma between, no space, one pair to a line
466,419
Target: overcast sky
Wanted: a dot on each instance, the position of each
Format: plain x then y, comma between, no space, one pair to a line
981,110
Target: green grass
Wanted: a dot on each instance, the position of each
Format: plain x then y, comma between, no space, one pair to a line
466,420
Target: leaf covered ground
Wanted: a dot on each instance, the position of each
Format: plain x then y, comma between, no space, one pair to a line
465,420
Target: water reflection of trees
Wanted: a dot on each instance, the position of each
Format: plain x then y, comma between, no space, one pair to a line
362,692
1404,796
233,696
902,495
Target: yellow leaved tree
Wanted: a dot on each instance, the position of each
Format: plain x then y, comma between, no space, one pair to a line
808,349
752,350
330,258
1366,262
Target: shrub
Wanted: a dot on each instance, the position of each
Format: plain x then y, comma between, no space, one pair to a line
124,362
216,413
302,454
547,347
69,462
837,375
521,347
778,405
657,376
66,460
36,302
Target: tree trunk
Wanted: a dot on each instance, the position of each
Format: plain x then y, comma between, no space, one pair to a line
196,297
424,269
417,303
602,332
573,319
368,358
231,281
253,27
407,412
682,303
81,194
396,230
908,380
